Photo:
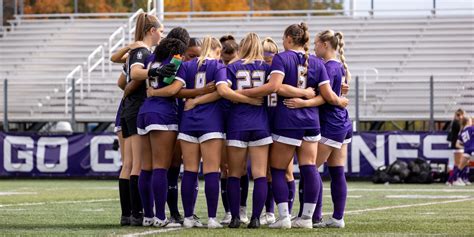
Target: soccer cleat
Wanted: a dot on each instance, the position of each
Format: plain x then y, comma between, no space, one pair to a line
459,183
227,218
267,218
136,221
319,224
175,221
281,223
467,182
124,220
299,222
449,184
335,223
147,221
190,222
234,223
254,223
161,223
176,218
212,223
243,215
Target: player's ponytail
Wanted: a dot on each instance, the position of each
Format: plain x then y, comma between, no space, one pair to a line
209,45
340,47
300,36
144,23
250,48
336,40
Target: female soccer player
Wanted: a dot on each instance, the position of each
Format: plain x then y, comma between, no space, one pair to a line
148,30
296,130
201,131
270,49
336,127
247,127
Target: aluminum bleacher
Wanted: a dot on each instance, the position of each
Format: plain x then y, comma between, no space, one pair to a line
393,58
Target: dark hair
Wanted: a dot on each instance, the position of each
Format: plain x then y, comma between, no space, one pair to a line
179,33
176,42
230,47
194,42
144,23
300,36
226,38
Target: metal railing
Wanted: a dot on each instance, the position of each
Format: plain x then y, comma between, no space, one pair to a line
364,78
120,41
68,87
90,67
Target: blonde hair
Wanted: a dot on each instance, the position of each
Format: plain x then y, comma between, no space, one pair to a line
209,45
144,23
336,40
300,36
250,48
269,45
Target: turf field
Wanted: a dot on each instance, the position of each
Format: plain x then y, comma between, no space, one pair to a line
84,207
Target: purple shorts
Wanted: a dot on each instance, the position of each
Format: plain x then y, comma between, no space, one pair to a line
200,136
244,139
295,137
336,138
147,122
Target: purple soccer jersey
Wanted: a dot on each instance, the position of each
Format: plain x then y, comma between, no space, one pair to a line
156,104
205,117
291,64
466,136
246,117
331,116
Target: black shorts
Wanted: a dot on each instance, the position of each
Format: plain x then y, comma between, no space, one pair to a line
129,126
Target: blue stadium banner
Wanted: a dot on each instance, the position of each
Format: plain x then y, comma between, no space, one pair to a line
92,155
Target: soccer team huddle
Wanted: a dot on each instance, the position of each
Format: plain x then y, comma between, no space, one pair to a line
228,104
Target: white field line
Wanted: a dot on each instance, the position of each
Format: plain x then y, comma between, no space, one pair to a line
17,193
57,202
404,206
426,196
150,232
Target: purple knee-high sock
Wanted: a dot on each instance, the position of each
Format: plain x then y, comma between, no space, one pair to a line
224,195
196,190
338,191
146,194
291,196
280,191
259,195
233,195
160,191
280,188
311,189
454,174
270,202
211,188
301,194
244,190
187,192
172,198
462,173
318,212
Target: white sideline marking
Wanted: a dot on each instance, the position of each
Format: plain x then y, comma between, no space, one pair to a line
164,230
17,193
425,196
450,190
58,202
404,206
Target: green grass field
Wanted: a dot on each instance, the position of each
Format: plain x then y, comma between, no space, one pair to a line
85,207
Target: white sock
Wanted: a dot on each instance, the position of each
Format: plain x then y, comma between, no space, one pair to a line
283,209
308,210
